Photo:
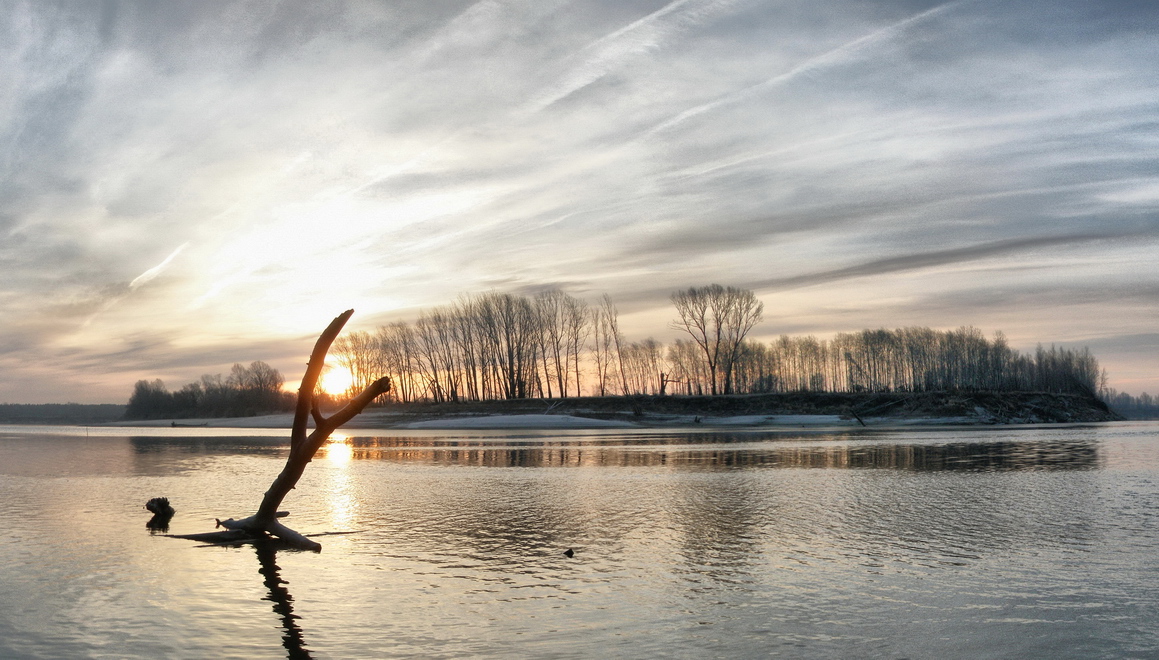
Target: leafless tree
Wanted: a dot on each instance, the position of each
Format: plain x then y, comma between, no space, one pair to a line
551,312
606,342
689,372
396,342
361,354
469,346
644,366
508,330
612,319
718,319
439,355
577,328
500,345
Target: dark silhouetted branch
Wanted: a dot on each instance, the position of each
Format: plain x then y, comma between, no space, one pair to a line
303,446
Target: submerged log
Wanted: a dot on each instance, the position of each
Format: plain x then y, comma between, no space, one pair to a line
303,446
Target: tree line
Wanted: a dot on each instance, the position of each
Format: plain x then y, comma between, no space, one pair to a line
914,359
553,345
1143,406
245,392
507,346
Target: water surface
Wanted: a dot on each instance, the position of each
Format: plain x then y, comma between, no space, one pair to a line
986,542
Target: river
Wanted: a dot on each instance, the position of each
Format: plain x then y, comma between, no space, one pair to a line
997,542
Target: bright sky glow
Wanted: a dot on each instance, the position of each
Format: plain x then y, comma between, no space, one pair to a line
188,185
336,380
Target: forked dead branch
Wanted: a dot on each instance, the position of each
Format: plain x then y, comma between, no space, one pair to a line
303,446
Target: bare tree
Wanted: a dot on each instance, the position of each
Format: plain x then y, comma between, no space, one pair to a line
644,366
361,354
611,317
577,327
689,372
255,388
550,308
397,344
439,353
265,378
563,324
500,345
606,347
718,319
507,336
469,346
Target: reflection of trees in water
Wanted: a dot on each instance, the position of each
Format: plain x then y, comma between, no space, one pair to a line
715,516
531,519
698,451
930,518
719,524
158,456
209,445
292,638
706,505
1075,455
701,450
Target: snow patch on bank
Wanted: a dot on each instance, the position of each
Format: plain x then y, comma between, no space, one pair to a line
517,422
776,420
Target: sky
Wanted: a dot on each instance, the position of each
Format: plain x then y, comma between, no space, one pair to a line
184,186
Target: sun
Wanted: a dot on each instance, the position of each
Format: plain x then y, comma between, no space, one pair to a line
336,380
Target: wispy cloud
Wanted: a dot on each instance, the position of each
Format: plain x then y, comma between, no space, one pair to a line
843,54
152,273
848,160
940,258
614,50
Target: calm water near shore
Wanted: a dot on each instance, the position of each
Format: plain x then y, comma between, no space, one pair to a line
923,543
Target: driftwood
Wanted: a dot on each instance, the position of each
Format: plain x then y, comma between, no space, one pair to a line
303,446
162,514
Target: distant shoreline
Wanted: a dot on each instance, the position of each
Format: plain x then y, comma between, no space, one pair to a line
797,409
404,421
813,409
567,422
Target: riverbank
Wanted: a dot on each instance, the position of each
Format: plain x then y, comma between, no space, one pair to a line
791,409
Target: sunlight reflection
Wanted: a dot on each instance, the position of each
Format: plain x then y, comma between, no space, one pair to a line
342,502
339,451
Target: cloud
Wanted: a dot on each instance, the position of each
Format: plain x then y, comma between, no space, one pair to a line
843,54
617,49
389,156
152,273
937,258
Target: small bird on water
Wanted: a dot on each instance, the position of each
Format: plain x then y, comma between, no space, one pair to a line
569,553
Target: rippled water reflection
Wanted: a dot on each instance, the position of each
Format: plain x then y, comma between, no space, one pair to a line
717,451
946,543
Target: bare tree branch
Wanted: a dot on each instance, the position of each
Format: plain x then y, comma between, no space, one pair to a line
303,446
